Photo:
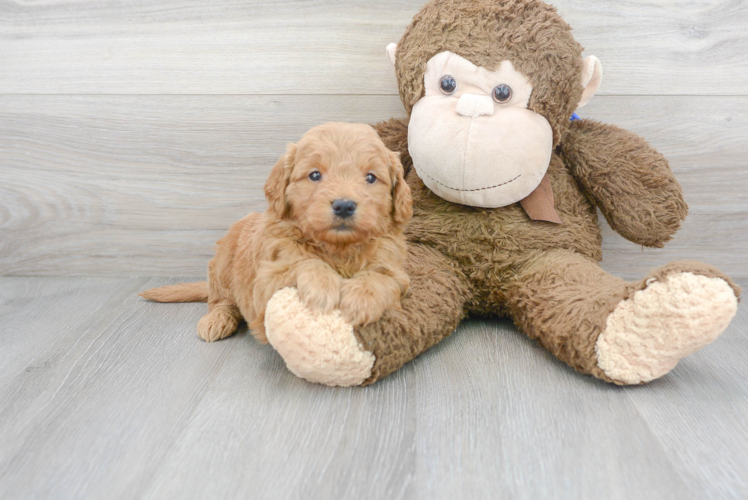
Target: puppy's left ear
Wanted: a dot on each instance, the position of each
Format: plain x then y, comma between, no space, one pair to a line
402,202
275,186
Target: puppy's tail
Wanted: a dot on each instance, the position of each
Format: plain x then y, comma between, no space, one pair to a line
183,292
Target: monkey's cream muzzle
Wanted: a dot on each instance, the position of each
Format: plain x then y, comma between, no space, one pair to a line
470,149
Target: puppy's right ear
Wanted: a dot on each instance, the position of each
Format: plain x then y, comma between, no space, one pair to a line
280,175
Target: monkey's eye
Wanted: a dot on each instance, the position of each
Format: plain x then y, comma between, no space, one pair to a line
502,93
371,178
448,84
315,176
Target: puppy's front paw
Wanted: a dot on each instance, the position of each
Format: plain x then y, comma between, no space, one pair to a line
216,325
319,291
362,304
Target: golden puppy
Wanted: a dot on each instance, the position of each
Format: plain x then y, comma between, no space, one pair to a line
333,229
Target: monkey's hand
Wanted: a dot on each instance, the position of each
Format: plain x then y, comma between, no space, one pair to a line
320,348
628,180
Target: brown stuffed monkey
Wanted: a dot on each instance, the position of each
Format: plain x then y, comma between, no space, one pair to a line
505,190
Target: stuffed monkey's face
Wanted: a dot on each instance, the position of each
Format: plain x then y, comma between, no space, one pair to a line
472,139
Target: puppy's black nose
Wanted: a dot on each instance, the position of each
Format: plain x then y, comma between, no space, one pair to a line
343,208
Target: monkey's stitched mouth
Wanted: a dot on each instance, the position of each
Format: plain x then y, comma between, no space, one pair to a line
472,190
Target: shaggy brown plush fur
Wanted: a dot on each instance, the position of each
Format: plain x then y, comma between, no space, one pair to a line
545,276
614,169
354,263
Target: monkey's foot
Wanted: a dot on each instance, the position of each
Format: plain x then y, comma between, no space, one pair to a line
673,316
320,348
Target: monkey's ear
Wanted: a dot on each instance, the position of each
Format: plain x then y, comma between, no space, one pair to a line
592,77
402,201
392,53
275,186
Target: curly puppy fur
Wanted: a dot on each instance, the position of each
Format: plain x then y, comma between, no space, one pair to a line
351,261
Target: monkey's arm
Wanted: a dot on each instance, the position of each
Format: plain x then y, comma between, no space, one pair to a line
326,349
627,179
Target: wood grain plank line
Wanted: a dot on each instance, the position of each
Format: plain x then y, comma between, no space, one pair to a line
105,402
263,433
133,404
29,307
333,47
141,185
499,417
702,407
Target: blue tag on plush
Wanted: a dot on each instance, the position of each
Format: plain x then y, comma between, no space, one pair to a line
575,117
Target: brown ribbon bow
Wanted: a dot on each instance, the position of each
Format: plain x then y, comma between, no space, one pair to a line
540,204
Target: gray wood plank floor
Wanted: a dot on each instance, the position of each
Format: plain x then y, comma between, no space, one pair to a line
104,395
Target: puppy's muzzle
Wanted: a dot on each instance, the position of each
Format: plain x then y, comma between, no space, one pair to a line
343,208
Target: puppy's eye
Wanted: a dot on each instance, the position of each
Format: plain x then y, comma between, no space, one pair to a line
447,84
371,178
502,93
315,176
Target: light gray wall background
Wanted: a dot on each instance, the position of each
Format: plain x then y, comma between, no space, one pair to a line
133,133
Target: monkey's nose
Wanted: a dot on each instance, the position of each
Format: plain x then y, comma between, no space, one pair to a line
343,208
472,105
